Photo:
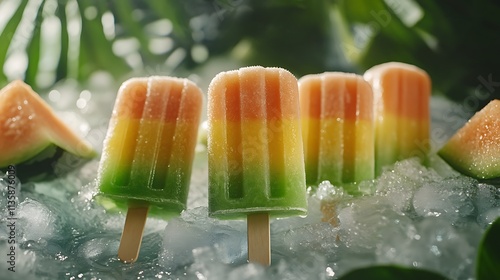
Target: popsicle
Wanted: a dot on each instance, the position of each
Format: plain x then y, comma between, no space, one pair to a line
338,128
148,152
28,126
402,118
255,153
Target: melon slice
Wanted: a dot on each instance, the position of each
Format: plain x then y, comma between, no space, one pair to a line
475,149
28,126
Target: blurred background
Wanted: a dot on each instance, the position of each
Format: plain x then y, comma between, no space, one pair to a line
46,42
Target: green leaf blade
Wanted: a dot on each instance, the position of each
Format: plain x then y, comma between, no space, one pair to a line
62,65
488,259
7,35
96,52
33,48
123,11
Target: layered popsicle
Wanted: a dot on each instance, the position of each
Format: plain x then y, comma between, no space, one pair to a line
255,152
402,118
149,148
337,128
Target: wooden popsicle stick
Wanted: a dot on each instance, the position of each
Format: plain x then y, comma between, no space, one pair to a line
131,240
258,237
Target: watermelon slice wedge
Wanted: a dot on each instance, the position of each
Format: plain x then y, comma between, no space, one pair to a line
475,148
28,126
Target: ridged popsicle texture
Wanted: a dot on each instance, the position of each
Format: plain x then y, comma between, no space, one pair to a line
402,116
337,127
255,144
150,144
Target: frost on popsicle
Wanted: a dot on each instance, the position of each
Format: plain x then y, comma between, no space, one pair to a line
475,149
337,128
149,148
338,133
255,158
28,126
254,144
402,116
148,153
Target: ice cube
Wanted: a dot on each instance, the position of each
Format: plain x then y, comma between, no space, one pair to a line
319,237
280,225
308,265
434,244
327,191
399,184
323,203
487,197
23,266
248,272
366,221
38,221
47,218
413,171
208,265
488,217
51,258
451,197
194,230
98,250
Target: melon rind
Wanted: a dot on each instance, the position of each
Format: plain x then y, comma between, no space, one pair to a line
474,150
28,125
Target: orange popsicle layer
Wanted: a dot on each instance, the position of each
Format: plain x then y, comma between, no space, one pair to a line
402,117
254,144
337,127
149,149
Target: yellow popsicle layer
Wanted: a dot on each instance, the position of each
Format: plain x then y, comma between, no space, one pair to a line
254,144
402,117
337,127
149,149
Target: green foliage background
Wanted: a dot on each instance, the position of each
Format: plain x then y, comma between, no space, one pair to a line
455,41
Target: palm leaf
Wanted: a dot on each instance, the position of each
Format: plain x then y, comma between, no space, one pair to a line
33,49
7,35
123,10
174,11
95,49
62,65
